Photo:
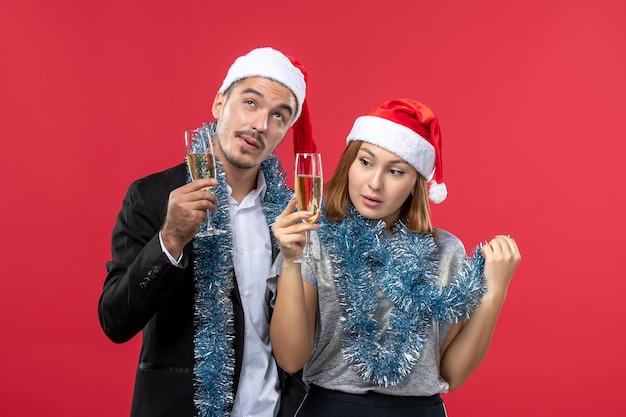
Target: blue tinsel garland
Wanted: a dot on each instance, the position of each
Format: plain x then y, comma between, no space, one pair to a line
214,278
404,266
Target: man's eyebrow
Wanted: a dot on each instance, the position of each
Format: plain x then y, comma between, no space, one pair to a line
285,106
253,91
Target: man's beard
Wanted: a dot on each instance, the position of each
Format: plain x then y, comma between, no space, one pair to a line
242,163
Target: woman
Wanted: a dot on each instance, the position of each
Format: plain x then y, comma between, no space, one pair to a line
394,313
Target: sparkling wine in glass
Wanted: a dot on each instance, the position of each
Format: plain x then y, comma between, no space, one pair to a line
201,164
308,183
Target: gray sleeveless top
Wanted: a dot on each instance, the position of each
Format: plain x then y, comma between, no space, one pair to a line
327,367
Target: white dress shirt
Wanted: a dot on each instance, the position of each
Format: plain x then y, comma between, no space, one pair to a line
258,393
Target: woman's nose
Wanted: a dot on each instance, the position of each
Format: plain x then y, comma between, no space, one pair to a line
375,181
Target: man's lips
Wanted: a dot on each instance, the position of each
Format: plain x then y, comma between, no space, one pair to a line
252,143
251,139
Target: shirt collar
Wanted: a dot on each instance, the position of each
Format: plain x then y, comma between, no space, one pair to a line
253,195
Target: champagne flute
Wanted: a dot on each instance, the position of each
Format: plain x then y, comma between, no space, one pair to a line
308,184
201,164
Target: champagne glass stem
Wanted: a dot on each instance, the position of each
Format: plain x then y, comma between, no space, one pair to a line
306,251
209,230
209,223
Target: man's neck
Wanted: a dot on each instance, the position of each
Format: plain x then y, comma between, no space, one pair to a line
241,181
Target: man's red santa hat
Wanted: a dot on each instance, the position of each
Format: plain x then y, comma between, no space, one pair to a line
274,65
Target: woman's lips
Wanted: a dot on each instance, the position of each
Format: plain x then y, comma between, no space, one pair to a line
371,201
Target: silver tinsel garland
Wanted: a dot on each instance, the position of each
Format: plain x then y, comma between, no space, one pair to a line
405,268
214,279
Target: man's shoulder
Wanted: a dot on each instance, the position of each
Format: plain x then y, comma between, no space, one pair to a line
157,186
172,177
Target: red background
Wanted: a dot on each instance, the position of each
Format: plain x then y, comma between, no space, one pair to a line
530,97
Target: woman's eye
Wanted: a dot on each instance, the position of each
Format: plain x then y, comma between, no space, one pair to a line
396,172
365,162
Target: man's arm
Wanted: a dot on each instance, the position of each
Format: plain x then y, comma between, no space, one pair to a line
140,276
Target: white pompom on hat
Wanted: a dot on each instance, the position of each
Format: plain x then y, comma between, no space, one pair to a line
269,63
410,130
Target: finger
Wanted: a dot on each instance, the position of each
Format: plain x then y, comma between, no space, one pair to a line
289,233
492,248
202,195
192,191
291,240
513,246
293,223
199,184
291,206
502,250
192,200
285,217
205,183
201,205
507,245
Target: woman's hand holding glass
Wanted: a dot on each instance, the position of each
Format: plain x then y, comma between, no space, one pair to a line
291,229
308,179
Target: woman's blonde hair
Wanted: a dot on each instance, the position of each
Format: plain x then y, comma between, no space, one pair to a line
415,210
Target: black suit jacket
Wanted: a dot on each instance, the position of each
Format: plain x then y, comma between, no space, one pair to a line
143,291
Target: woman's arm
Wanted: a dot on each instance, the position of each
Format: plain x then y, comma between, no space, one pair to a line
292,328
467,343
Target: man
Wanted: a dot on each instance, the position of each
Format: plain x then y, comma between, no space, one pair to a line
202,303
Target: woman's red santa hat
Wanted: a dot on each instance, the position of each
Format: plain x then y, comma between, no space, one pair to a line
410,130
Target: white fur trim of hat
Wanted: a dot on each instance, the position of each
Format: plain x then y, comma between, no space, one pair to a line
397,139
404,142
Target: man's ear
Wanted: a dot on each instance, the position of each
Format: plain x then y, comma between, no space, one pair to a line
218,105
